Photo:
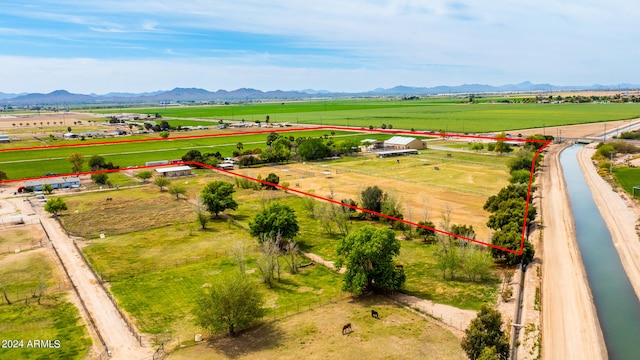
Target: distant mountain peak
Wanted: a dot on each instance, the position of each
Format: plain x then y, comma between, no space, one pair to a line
180,94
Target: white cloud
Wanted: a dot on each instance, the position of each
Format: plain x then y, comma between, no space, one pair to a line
366,43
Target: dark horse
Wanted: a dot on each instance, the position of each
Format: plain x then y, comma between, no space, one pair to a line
346,327
374,314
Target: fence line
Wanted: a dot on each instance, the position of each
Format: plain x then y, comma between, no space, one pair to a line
84,306
25,247
57,287
131,327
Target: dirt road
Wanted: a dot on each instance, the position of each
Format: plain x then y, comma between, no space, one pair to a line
111,326
570,326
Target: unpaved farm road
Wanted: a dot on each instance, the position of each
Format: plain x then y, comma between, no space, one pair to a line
570,326
110,324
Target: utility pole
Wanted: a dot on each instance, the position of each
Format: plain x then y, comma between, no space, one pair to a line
611,163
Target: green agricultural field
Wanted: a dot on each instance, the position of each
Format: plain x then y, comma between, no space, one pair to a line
54,160
627,178
421,115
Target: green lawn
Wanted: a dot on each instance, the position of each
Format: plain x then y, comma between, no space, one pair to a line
627,177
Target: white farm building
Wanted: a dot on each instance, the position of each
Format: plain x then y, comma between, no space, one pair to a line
403,143
175,171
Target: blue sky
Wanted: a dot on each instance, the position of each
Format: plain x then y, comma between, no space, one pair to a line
349,45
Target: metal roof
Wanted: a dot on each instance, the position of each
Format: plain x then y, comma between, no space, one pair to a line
52,180
400,140
173,168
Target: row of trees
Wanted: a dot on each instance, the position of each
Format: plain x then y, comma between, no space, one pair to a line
508,206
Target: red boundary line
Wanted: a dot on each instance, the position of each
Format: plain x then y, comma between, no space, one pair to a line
406,132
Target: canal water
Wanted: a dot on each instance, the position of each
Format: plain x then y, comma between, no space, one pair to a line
616,303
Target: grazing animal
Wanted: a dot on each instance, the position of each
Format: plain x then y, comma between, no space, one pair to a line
109,199
374,314
346,327
399,266
436,168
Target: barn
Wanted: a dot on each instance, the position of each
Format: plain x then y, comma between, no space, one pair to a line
174,171
403,143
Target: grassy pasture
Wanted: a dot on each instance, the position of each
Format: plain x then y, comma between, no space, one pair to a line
55,319
398,334
131,210
424,280
422,115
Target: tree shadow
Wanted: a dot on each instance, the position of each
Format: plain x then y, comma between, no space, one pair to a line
262,337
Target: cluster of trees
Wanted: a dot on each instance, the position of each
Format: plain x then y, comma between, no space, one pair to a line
458,256
617,98
211,159
275,227
97,162
282,148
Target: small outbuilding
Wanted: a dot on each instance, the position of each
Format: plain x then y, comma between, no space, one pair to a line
4,138
175,171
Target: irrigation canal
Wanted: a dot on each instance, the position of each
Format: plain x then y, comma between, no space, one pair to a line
617,306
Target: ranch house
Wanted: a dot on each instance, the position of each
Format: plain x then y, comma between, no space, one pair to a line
61,182
174,171
403,143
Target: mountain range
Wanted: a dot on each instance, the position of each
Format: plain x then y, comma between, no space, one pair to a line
177,95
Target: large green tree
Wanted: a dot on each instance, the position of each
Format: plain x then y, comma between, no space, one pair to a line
371,199
100,178
368,255
231,304
76,159
97,162
484,332
217,196
312,149
275,220
55,205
